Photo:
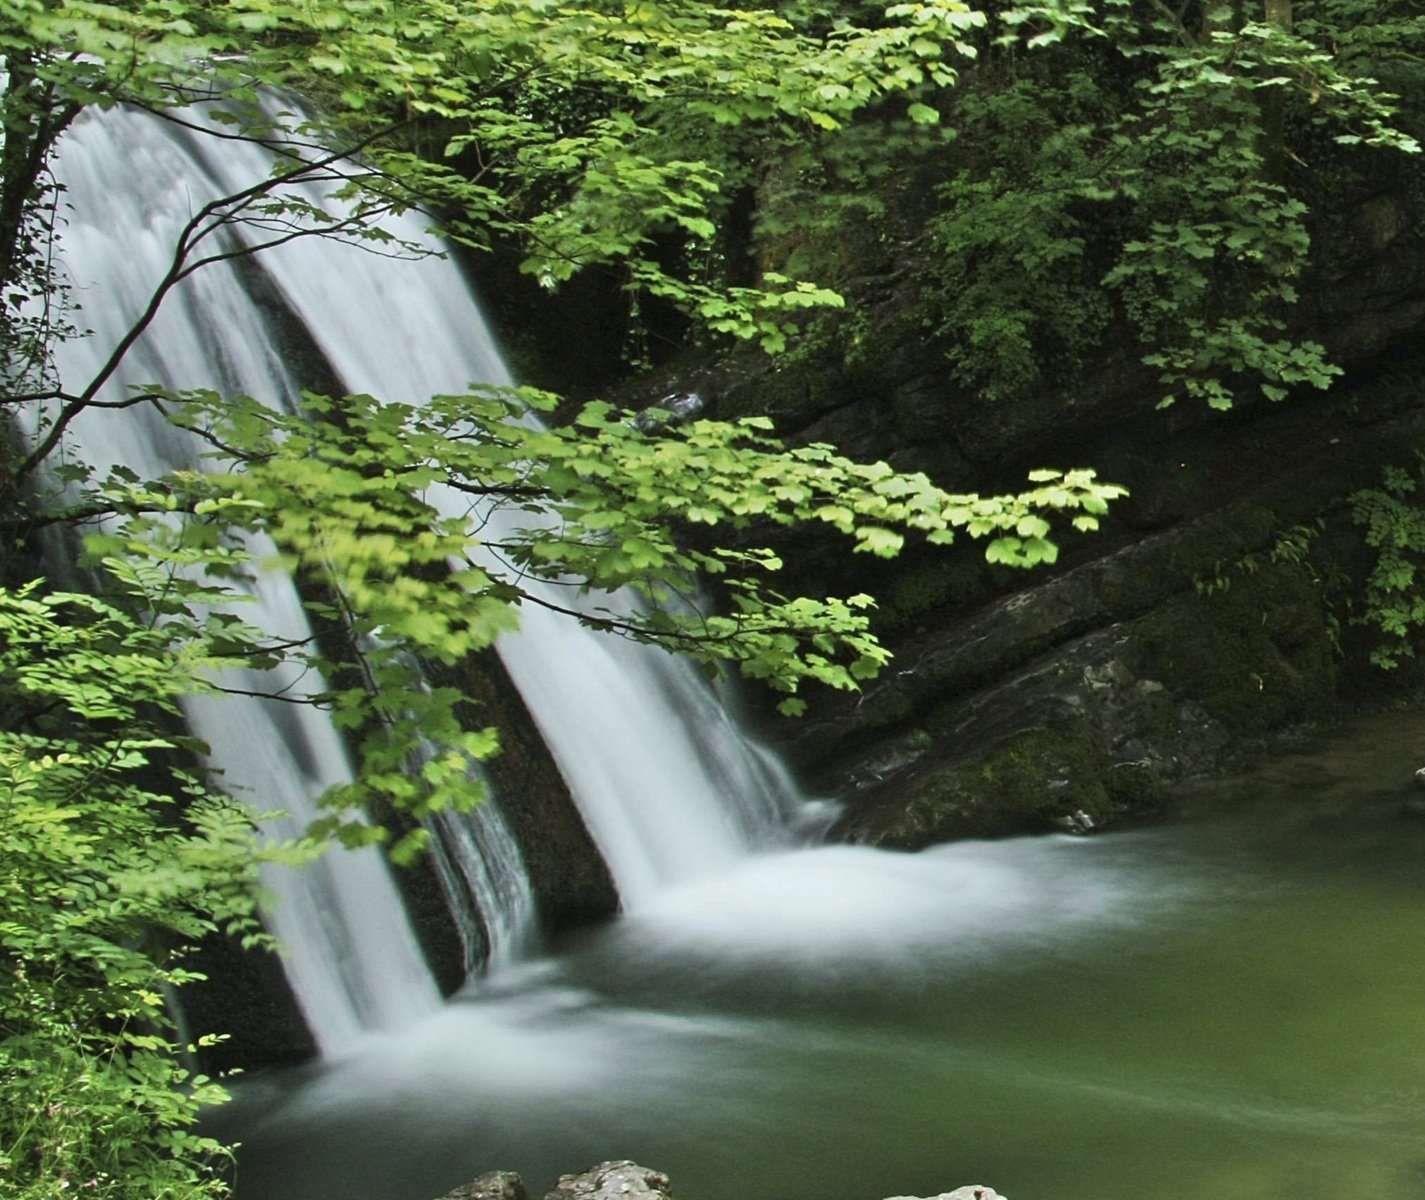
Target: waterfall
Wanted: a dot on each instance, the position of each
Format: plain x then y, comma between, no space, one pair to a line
130,183
670,789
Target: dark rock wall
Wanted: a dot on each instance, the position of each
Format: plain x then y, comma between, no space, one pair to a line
245,995
1212,609
571,883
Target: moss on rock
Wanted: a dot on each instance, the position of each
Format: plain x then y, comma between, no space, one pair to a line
1049,774
1037,779
922,586
1255,652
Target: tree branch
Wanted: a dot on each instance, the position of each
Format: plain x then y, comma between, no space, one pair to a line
210,218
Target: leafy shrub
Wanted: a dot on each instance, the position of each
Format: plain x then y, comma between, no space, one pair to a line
1394,523
115,864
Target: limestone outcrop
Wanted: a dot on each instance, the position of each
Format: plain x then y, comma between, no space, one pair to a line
625,1180
622,1180
495,1185
974,1191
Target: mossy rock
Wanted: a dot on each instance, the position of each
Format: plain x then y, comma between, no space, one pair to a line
1034,780
1048,774
1207,548
1255,652
921,587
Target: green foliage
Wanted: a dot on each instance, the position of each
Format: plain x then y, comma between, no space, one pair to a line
1394,524
1009,285
105,885
343,488
1138,169
817,201
585,135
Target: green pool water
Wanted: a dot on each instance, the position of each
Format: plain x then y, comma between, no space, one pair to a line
1228,1004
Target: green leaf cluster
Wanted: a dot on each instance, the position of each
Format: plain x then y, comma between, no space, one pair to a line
1393,521
582,135
430,526
1149,167
106,884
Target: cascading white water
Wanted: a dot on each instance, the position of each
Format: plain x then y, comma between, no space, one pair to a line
349,950
485,884
670,789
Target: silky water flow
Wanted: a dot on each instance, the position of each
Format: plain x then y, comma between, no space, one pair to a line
667,784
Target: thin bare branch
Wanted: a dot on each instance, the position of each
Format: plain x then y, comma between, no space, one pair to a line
213,216
1176,20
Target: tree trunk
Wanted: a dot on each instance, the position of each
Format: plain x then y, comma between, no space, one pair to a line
31,119
1276,13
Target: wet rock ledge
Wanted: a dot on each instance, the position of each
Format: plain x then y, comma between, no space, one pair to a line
628,1181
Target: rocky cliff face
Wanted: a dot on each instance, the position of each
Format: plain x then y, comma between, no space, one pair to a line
1212,609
